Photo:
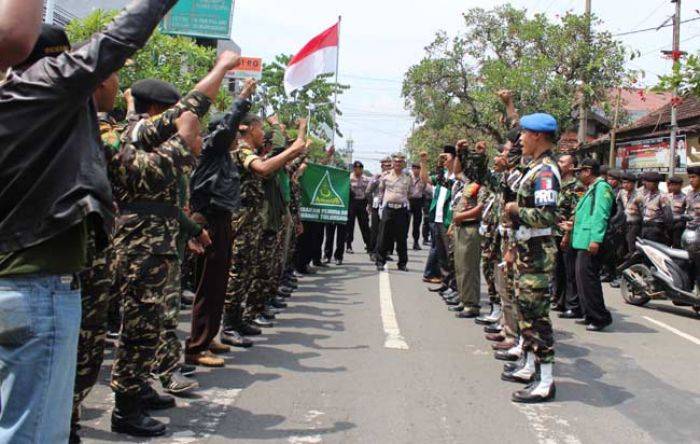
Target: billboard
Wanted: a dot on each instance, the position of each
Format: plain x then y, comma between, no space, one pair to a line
651,154
200,18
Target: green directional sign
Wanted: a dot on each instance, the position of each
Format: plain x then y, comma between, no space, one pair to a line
325,194
200,18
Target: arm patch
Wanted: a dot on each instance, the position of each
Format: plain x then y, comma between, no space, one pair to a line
546,188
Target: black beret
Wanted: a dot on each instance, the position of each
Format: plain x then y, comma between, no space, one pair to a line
694,170
449,149
52,42
675,179
652,176
157,91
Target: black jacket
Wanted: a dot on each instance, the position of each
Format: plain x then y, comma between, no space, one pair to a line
215,182
52,167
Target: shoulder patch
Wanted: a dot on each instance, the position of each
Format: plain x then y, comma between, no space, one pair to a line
546,188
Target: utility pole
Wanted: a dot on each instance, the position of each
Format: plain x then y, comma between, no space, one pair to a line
613,133
676,56
583,106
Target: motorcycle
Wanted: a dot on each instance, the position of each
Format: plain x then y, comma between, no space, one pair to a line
656,271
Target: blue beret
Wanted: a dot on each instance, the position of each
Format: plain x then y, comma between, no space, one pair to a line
539,123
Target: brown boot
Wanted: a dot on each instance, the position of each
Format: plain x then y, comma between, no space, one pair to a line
505,345
495,337
218,348
205,359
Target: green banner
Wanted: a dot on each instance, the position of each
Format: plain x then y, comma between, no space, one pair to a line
325,194
200,18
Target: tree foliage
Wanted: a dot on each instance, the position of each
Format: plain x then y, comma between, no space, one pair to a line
319,93
685,77
178,60
452,90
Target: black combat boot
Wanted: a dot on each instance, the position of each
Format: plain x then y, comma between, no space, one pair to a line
152,400
130,418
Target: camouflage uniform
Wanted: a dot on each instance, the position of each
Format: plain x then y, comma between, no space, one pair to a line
489,240
96,294
247,265
536,256
147,171
568,198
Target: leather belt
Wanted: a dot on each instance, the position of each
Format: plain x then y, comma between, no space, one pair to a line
150,209
525,234
394,206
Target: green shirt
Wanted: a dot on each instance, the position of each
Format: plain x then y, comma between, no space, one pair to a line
65,253
592,214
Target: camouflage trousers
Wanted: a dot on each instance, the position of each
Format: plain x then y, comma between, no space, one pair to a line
270,256
143,281
535,264
96,297
489,259
247,265
169,350
506,275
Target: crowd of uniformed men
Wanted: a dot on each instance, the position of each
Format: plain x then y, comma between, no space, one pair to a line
216,211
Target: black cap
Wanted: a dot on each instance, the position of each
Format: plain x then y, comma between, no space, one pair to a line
357,164
615,174
629,176
590,164
415,165
695,170
52,41
675,179
652,176
449,149
157,91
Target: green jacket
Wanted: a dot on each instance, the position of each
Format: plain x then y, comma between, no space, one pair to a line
592,214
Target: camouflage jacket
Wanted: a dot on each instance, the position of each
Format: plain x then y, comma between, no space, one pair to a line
566,203
147,170
252,188
538,194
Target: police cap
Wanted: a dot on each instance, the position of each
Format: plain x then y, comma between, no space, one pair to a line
615,174
357,164
590,164
629,177
156,91
652,176
675,179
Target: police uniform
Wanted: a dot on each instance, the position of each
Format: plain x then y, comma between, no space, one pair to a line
678,206
374,198
358,210
394,216
632,215
657,214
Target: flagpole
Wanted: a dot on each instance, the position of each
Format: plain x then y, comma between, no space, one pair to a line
335,100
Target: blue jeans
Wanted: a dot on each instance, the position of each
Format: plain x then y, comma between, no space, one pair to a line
39,326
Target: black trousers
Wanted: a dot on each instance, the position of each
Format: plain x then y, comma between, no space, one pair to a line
374,230
677,234
559,277
655,233
392,229
416,208
333,231
590,290
358,211
427,230
632,231
309,245
572,300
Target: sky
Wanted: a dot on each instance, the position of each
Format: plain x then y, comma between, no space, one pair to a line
381,39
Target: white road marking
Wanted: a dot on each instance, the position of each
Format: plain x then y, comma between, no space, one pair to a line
313,439
683,335
391,325
548,427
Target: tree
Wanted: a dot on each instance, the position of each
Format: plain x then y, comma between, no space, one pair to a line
178,60
452,90
289,108
685,77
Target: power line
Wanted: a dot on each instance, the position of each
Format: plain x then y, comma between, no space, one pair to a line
661,5
656,28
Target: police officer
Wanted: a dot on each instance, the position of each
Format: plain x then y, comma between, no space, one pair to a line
656,209
358,207
394,187
375,200
415,203
677,197
610,255
692,199
534,213
632,217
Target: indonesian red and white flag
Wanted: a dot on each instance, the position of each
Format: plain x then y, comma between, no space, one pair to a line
319,56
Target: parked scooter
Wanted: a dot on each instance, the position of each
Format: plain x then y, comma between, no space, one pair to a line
656,271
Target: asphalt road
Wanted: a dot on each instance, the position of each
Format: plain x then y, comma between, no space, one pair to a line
368,357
